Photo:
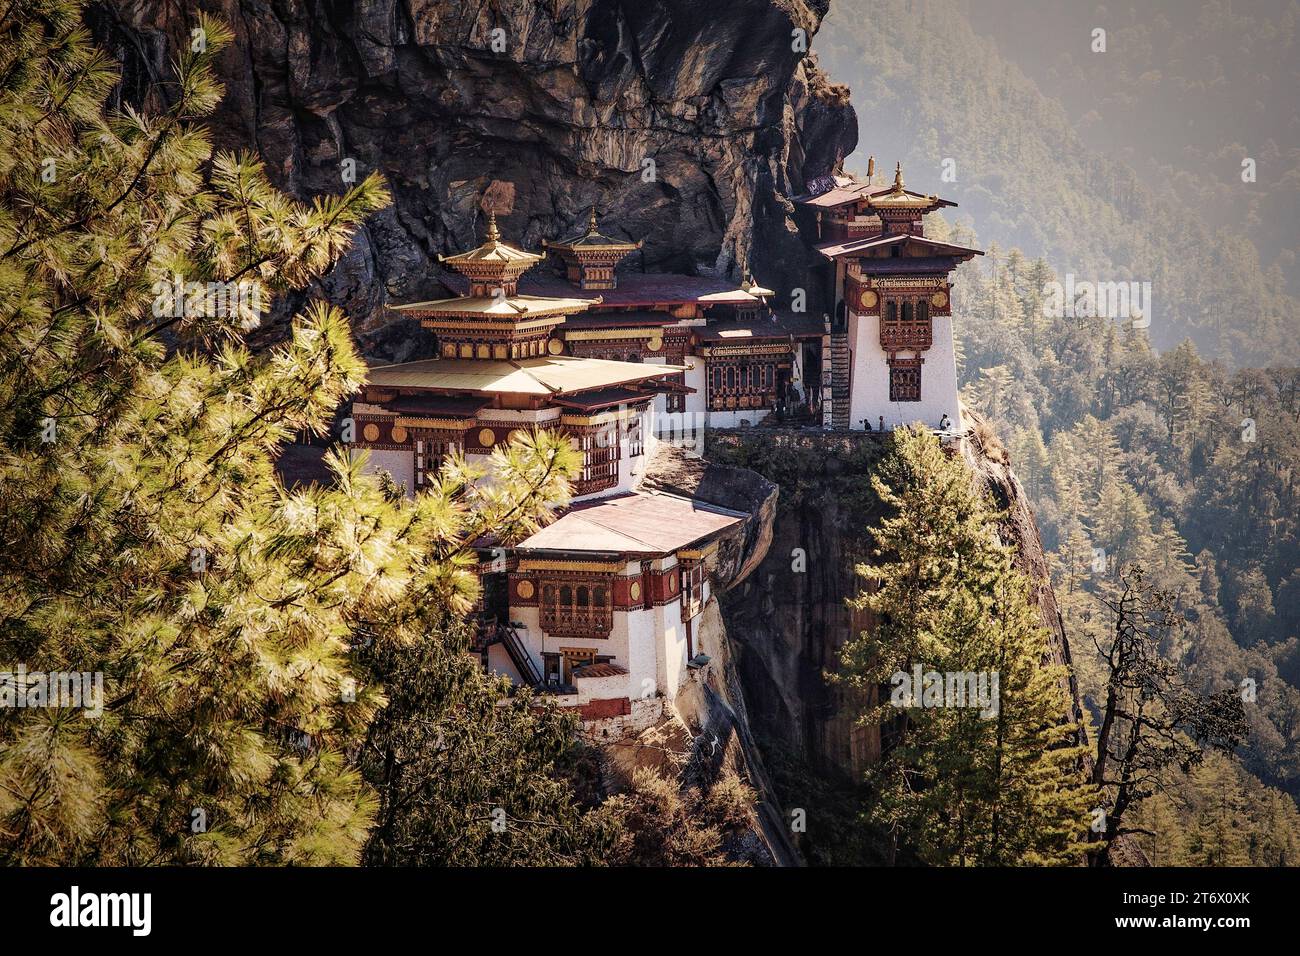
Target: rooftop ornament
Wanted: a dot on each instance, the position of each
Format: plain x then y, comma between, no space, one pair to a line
590,257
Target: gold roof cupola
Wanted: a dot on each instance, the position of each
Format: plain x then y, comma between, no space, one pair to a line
899,208
590,257
493,265
494,320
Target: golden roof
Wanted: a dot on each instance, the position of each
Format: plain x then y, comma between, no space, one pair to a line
592,240
491,306
492,251
897,197
549,375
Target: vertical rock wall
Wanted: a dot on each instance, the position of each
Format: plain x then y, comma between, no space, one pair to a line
551,105
789,618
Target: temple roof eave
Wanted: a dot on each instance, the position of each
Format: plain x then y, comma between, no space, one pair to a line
553,375
493,252
834,250
506,307
595,243
632,523
592,241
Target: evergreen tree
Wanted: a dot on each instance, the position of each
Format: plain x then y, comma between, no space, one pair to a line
962,785
467,780
240,629
665,824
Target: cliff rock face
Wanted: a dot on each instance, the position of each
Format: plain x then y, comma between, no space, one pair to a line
789,619
712,704
689,124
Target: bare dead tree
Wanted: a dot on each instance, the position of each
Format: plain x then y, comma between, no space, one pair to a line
1152,719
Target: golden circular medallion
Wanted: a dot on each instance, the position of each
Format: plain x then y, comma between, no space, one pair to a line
487,437
869,298
939,299
635,591
525,589
555,347
656,343
370,432
399,434
672,584
515,435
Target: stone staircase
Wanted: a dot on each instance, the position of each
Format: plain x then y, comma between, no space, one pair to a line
840,380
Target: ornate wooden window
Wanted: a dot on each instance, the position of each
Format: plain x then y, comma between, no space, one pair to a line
429,456
577,607
599,460
906,325
692,588
905,380
623,352
740,384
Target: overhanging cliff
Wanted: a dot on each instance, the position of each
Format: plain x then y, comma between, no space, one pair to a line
689,124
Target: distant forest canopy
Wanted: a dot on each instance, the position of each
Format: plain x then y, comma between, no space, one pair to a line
1115,166
1178,446
1184,466
1190,90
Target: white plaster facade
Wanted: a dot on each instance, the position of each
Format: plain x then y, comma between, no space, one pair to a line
631,468
649,642
869,385
399,464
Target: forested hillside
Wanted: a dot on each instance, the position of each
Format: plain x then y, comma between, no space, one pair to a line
1175,447
1183,93
929,87
1180,465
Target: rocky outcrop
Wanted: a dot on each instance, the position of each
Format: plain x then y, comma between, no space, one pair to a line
689,124
708,727
789,619
991,466
672,469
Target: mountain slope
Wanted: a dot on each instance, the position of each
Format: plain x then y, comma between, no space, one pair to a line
928,88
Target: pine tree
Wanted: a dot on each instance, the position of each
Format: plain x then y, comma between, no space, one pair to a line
960,784
145,536
469,775
664,824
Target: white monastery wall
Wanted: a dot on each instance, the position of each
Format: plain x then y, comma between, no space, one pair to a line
870,381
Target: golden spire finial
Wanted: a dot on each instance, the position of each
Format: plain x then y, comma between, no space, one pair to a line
591,223
871,169
493,234
898,178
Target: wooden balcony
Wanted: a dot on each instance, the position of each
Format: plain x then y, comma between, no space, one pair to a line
914,336
577,622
